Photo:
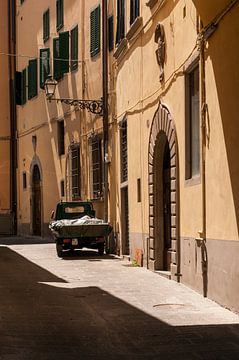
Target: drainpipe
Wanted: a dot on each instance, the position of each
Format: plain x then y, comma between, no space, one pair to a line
13,127
201,241
105,103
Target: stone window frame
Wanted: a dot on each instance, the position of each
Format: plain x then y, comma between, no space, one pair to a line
189,67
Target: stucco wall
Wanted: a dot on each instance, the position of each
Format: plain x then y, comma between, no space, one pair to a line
5,112
39,117
139,92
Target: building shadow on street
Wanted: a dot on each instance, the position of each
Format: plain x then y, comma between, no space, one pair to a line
42,318
25,240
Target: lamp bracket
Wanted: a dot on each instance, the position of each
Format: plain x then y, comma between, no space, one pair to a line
93,106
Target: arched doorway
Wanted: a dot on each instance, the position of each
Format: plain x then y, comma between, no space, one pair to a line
36,201
163,252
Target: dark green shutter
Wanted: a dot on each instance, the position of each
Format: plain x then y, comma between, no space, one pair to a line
95,31
74,48
18,87
92,33
32,78
46,25
24,87
44,66
111,33
56,63
64,51
59,14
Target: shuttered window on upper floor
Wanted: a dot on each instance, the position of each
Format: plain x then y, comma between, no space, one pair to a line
97,166
56,62
120,34
32,78
59,14
74,48
95,31
20,86
64,51
24,87
61,55
46,25
111,32
134,10
44,66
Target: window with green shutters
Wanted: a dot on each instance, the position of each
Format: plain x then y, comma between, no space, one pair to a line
61,55
59,14
20,86
111,32
95,31
74,48
46,25
32,78
24,87
64,51
44,66
134,10
56,62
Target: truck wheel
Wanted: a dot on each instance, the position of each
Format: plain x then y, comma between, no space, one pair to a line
59,250
101,249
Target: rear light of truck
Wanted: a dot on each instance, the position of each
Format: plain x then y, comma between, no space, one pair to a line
67,241
100,238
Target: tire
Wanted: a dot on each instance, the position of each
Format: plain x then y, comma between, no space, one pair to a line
101,248
59,250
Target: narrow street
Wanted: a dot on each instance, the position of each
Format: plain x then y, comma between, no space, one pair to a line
90,307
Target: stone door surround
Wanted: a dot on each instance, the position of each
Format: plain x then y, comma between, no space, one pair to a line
163,122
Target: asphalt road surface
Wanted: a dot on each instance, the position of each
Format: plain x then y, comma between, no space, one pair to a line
90,307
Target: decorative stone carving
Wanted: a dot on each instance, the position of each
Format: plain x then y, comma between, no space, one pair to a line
159,38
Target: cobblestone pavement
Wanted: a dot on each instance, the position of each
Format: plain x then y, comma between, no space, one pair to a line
90,307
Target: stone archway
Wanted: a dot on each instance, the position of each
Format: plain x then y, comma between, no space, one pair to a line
163,161
36,197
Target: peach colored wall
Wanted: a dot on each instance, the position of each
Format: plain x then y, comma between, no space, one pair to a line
39,117
5,111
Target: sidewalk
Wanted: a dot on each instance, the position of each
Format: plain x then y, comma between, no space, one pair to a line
120,311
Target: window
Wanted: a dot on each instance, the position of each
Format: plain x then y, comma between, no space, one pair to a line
75,171
111,32
64,51
134,10
62,188
124,151
120,34
20,85
97,173
56,63
46,25
95,31
74,48
59,14
24,180
32,78
44,66
138,190
61,137
24,87
61,55
192,127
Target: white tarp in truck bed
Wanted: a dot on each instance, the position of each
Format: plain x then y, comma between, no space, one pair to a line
85,226
85,220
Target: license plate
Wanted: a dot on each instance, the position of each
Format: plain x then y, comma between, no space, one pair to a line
74,242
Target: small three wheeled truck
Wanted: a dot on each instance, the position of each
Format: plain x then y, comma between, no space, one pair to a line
75,226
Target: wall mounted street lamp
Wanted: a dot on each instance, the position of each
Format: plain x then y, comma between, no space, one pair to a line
93,106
